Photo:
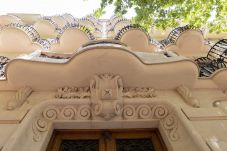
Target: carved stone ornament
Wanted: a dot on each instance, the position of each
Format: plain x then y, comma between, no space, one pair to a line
106,103
54,112
170,125
83,112
73,92
84,92
139,92
187,96
20,97
106,95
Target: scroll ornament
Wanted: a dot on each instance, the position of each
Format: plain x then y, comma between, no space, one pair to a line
144,111
51,113
83,112
170,124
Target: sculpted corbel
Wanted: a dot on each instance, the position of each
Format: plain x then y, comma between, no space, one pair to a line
187,96
106,96
20,97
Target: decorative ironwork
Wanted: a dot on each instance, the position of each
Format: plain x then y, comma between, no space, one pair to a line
48,18
175,33
138,27
44,43
134,145
209,42
130,27
215,59
92,20
53,56
165,42
3,62
31,32
115,22
79,145
103,42
78,26
69,15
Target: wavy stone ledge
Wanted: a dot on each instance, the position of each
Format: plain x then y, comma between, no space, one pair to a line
166,73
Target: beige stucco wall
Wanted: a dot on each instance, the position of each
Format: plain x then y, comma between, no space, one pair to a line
32,83
165,76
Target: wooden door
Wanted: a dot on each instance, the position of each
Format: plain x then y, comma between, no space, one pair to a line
106,140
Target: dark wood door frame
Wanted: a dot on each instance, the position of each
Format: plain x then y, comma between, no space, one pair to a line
107,138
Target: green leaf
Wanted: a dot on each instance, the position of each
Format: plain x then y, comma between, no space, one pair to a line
170,13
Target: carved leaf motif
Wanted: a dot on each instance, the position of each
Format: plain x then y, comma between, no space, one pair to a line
139,92
73,92
20,97
187,95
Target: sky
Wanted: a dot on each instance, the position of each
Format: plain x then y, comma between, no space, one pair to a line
78,8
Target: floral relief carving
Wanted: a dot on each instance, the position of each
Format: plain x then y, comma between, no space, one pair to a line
139,92
73,92
106,103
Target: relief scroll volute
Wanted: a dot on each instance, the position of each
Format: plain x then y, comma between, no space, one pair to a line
106,96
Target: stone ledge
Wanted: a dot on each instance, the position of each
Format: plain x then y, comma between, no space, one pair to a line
201,114
12,117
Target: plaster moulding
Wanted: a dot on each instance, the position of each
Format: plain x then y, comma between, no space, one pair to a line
186,93
106,107
36,129
20,97
83,65
75,112
84,92
106,94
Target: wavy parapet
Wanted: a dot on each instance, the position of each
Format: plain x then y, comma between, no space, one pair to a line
157,71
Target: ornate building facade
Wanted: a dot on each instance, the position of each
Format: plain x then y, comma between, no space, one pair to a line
66,73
